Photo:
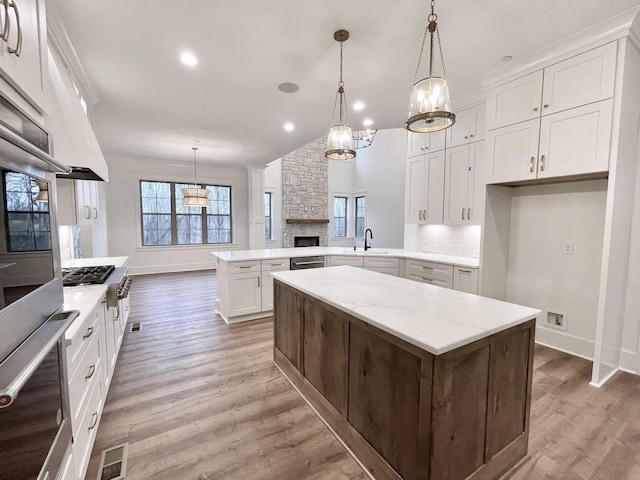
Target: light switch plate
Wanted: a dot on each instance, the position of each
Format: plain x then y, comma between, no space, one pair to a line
567,248
425,249
433,247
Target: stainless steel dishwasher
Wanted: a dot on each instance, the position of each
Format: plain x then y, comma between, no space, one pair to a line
300,263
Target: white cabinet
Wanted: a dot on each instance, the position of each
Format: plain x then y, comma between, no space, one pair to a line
387,265
554,122
463,193
351,260
78,202
421,143
245,294
266,283
437,274
425,188
469,127
465,279
23,56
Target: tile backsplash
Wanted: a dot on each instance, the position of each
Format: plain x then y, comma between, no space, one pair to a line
463,241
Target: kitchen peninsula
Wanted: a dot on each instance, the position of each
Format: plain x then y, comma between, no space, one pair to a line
420,382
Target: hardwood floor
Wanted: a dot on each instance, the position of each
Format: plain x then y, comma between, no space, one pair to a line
199,399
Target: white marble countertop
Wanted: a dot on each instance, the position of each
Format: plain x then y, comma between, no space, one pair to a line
244,255
83,299
95,261
432,318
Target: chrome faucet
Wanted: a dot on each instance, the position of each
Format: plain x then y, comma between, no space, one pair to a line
367,246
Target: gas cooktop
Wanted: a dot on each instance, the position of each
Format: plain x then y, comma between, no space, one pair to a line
72,277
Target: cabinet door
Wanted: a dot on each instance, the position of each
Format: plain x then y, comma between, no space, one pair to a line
245,295
436,141
417,143
267,291
435,188
351,260
585,78
512,152
458,134
515,101
66,196
576,141
26,71
457,186
477,123
465,279
416,183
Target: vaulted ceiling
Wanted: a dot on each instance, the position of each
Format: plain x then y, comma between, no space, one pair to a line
147,103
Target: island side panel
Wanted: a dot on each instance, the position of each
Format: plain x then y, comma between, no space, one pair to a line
287,325
325,352
461,378
385,401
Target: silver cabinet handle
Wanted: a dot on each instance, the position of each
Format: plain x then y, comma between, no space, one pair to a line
92,370
94,420
419,215
245,266
88,334
468,214
18,50
258,282
464,271
463,213
95,212
5,28
546,105
542,163
535,109
87,212
531,164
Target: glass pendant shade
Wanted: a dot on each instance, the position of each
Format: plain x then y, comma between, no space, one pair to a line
43,191
195,197
340,143
429,106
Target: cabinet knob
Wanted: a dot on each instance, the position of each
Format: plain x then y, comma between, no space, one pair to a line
535,109
466,136
546,105
472,135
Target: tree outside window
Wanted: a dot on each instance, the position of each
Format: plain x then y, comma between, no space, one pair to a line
339,216
268,215
360,215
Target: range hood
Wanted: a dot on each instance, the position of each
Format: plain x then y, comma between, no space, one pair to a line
81,173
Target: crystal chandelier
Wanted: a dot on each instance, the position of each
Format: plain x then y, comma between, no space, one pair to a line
196,196
430,107
340,140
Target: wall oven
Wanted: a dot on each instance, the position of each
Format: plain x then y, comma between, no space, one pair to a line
34,426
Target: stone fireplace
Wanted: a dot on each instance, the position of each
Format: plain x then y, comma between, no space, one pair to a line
305,185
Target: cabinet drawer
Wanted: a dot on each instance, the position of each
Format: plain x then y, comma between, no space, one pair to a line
87,374
419,268
83,440
351,260
384,262
244,267
80,339
438,281
275,264
387,270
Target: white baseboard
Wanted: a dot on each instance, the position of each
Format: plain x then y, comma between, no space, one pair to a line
565,343
630,362
183,267
605,379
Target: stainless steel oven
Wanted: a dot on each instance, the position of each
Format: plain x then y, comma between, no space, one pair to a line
34,426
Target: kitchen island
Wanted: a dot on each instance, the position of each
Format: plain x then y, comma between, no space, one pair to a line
420,382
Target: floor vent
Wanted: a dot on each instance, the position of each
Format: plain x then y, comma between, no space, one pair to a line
113,463
135,326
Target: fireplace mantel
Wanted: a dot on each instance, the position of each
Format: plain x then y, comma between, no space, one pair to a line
307,220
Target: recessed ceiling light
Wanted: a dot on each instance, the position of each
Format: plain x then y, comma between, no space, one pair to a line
188,58
358,105
288,87
367,122
288,126
506,58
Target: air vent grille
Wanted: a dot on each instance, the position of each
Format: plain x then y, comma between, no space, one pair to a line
113,463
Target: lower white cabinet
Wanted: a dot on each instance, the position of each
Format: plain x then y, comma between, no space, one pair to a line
388,265
268,266
465,279
245,293
351,260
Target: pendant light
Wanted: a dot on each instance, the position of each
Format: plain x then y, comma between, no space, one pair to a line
340,140
196,196
429,107
43,191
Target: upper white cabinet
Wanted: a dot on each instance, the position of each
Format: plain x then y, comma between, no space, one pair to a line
463,192
23,54
553,122
469,127
421,143
78,202
425,188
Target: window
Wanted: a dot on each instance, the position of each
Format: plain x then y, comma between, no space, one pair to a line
28,221
360,213
268,215
166,222
339,216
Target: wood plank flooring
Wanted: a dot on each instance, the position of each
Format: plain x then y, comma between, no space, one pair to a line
199,399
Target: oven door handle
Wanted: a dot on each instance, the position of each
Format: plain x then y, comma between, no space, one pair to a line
20,365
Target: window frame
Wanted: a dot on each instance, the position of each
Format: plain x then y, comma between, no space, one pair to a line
351,218
270,216
174,214
346,215
356,217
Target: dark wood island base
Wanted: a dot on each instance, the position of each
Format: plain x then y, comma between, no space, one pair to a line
403,412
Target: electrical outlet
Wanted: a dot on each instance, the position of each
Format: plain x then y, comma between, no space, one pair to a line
433,247
567,248
425,249
556,320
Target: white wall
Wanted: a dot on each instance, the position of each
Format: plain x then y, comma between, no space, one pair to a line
123,207
378,172
540,275
273,184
